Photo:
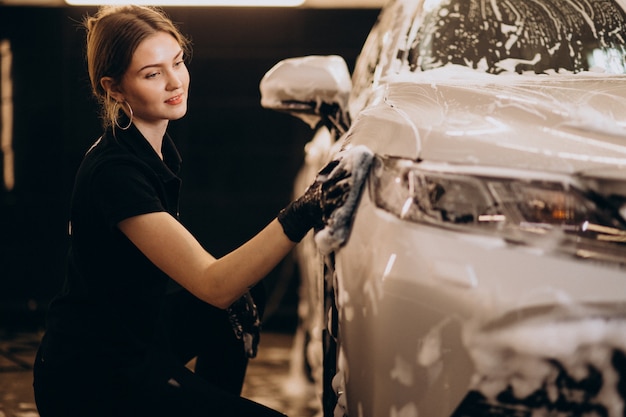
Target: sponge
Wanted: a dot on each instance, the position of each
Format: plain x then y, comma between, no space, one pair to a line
356,160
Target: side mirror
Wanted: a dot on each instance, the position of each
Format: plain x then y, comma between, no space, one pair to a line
312,88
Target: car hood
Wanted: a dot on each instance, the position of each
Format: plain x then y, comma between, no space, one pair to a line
558,123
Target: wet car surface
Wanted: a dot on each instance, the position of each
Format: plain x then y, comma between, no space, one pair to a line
485,270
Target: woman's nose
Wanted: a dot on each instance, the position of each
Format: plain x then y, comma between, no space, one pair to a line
174,80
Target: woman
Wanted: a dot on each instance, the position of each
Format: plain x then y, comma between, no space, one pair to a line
141,296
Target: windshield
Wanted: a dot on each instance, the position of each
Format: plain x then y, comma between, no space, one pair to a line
541,36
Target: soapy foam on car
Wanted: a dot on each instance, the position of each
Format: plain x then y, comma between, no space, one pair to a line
552,365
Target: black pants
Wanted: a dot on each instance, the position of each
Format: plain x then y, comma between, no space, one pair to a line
159,384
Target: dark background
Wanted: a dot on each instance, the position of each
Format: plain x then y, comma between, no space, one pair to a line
239,160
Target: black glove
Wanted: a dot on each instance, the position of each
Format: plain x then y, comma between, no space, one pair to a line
244,319
316,204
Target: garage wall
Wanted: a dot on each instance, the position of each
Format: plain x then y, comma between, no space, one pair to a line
239,159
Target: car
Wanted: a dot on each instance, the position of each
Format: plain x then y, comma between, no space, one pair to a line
484,271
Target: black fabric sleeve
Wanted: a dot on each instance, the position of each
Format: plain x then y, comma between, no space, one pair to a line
123,190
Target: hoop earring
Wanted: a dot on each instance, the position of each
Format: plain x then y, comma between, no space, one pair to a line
115,120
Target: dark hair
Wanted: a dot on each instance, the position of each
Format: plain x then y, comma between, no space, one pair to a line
113,35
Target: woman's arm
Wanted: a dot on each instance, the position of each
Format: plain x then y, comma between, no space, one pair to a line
173,249
170,246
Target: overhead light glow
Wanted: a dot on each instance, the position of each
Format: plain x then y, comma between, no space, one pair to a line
224,3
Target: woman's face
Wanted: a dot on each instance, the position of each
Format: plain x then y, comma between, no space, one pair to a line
157,81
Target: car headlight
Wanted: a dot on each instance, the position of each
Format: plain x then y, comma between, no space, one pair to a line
522,207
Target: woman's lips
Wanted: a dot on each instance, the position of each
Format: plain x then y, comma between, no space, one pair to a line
175,100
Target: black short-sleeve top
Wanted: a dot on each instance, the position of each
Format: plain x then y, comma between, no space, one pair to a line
111,299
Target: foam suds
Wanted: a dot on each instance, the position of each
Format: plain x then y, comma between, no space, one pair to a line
552,365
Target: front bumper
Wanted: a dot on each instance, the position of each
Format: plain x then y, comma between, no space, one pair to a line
428,299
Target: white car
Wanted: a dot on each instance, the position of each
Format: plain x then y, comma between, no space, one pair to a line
484,272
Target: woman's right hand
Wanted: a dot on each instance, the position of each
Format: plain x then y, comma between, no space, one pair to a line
328,192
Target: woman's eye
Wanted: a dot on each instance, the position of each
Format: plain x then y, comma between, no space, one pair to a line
152,75
179,63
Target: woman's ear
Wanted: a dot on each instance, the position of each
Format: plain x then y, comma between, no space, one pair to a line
112,89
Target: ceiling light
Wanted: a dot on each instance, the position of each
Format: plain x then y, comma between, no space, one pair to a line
226,3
